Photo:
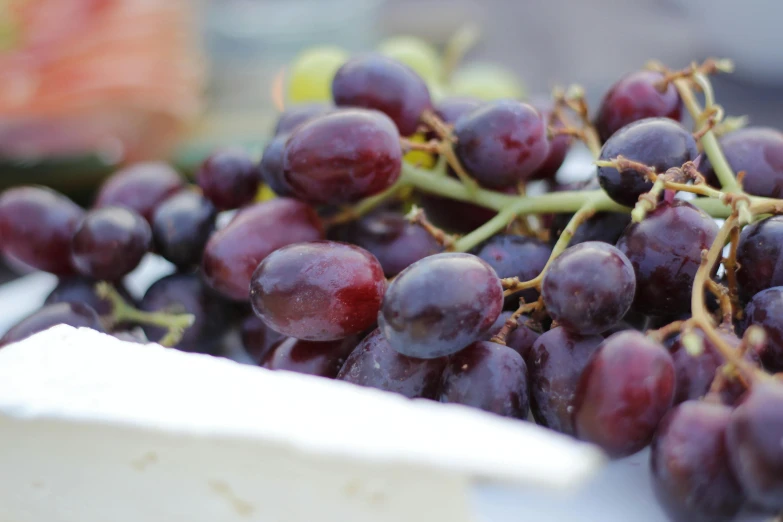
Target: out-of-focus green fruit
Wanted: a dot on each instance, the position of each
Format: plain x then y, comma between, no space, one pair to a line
414,52
311,74
486,81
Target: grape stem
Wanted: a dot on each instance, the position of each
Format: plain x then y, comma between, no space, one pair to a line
122,311
418,217
512,322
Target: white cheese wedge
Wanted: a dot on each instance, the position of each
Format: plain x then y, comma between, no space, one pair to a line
93,429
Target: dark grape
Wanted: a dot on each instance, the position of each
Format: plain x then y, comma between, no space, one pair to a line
342,157
660,143
450,109
375,364
110,242
373,81
140,187
634,97
323,359
181,227
520,339
271,166
36,226
78,315
695,373
488,376
257,338
759,152
78,289
558,146
296,115
589,287
606,227
390,237
766,310
187,294
512,255
624,392
555,363
665,251
690,468
760,256
229,178
318,291
753,437
233,252
501,143
457,216
441,304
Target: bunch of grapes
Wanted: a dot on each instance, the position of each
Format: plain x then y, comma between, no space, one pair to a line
616,310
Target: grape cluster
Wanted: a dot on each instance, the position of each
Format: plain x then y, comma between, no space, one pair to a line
587,320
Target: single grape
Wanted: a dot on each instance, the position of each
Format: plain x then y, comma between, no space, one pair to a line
187,294
229,178
555,363
457,216
513,255
78,289
665,251
488,376
375,364
257,338
766,310
760,256
140,187
695,373
36,226
635,97
501,143
753,438
318,291
486,81
606,227
520,339
414,52
342,157
110,242
558,145
441,304
323,359
373,81
311,73
271,166
233,252
690,468
78,315
181,227
589,287
624,392
759,152
454,107
396,242
296,115
660,143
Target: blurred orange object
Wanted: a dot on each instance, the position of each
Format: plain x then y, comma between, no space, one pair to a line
120,78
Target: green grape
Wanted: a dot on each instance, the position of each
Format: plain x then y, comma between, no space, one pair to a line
414,52
311,73
486,81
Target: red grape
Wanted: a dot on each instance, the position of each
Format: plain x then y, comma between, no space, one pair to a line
656,142
78,315
229,178
271,166
298,114
665,251
233,252
766,310
558,146
181,227
555,363
589,287
36,226
754,436
695,373
323,359
458,216
760,256
634,97
759,152
501,143
441,304
488,376
140,187
257,338
319,291
624,392
449,110
342,157
373,81
375,364
690,467
109,243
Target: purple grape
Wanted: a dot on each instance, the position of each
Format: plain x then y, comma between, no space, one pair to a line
78,315
229,178
78,289
606,227
488,376
696,373
441,304
257,338
760,256
181,227
766,310
520,339
296,115
140,187
558,146
322,359
271,166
